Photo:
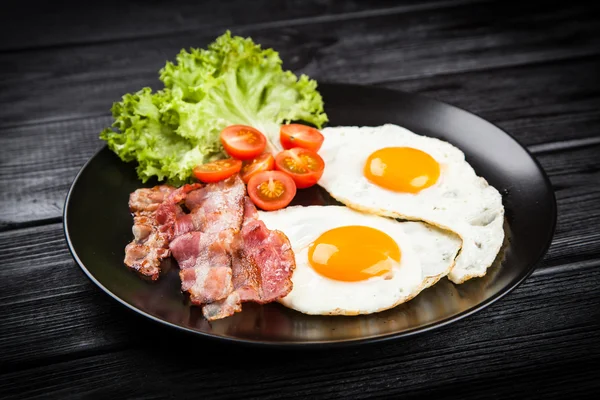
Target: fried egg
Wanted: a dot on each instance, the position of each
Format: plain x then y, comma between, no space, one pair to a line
350,263
393,172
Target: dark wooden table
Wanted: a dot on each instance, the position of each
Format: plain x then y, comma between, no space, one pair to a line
530,67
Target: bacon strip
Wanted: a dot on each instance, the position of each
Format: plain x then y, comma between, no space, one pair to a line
226,255
203,240
149,199
154,212
262,266
266,260
205,265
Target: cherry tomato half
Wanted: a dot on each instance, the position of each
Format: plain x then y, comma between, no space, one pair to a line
271,190
243,142
217,170
264,162
304,166
297,135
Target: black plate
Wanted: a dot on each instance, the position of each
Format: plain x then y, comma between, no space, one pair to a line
98,226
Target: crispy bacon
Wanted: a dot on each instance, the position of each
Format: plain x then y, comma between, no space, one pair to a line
226,255
205,265
262,266
154,212
271,258
224,308
148,247
149,199
203,240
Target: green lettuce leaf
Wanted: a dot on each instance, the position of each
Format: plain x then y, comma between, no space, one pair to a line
146,134
233,81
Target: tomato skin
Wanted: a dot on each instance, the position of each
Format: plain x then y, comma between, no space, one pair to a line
243,142
304,166
264,162
217,170
297,135
271,190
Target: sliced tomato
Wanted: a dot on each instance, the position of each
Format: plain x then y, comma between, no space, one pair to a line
271,190
264,162
243,142
297,135
304,166
217,170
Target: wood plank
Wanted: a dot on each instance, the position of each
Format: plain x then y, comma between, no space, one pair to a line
74,23
577,188
39,164
61,337
35,317
538,104
559,102
515,344
74,82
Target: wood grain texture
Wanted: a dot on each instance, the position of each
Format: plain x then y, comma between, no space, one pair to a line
510,346
538,104
67,82
559,102
531,68
68,302
38,164
70,24
577,188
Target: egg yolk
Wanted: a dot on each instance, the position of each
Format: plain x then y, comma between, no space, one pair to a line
353,253
402,169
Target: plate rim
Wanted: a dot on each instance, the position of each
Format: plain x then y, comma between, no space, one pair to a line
340,342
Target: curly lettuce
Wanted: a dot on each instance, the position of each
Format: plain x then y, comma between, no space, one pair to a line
233,81
147,126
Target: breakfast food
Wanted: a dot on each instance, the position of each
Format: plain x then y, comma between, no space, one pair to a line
225,253
390,171
205,238
263,260
271,190
325,260
264,162
349,262
233,81
223,135
304,166
153,212
298,135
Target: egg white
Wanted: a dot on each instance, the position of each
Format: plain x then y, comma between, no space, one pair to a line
427,253
459,201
